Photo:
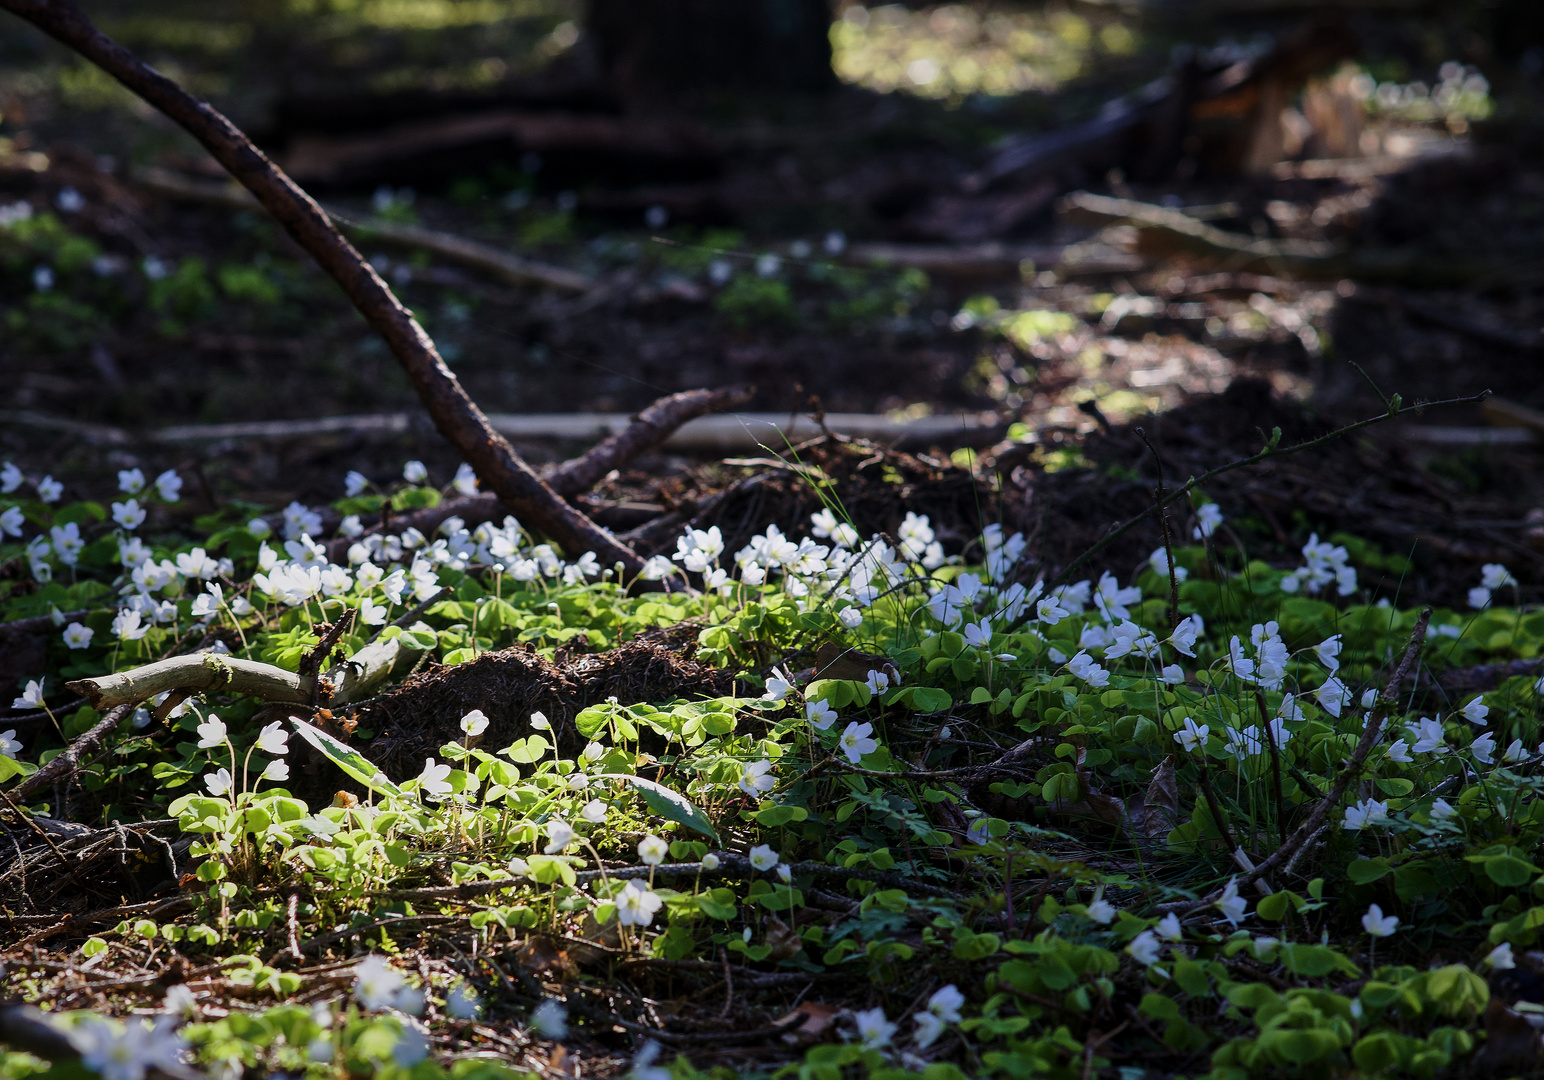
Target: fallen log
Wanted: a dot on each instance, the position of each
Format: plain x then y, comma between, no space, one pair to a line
513,268
454,413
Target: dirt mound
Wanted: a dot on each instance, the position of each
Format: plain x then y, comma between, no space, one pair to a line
414,720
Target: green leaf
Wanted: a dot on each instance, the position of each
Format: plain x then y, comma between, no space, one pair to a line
667,804
1158,1007
348,759
528,750
1509,871
9,767
1366,871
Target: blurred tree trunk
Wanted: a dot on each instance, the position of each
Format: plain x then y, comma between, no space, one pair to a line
663,49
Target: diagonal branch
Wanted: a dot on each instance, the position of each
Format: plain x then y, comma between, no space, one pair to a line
454,413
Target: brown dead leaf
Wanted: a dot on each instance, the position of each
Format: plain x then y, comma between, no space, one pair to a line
540,954
784,939
1160,807
817,1019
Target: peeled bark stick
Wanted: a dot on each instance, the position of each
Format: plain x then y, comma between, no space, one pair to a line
210,671
454,413
649,428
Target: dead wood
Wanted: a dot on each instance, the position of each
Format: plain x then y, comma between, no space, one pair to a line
454,413
512,268
63,765
648,429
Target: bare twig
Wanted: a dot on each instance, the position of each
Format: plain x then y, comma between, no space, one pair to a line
454,413
649,428
63,765
1168,544
1268,452
1387,701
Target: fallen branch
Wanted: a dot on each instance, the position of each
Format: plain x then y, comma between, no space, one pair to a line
455,415
63,765
514,269
648,429
205,672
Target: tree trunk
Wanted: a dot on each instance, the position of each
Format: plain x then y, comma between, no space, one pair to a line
663,49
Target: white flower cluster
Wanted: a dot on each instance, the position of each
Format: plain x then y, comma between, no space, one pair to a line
1493,576
1324,563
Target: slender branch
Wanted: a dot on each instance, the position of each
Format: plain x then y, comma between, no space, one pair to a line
1387,702
649,428
62,765
1264,455
455,415
1168,543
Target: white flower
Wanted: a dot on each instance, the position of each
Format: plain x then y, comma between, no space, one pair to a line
820,714
1365,813
1399,752
593,752
475,722
180,1002
371,613
11,478
1144,948
1476,711
856,742
1428,735
273,739
850,617
1102,912
50,489
129,514
873,1028
1378,924
376,983
10,746
218,782
1231,904
32,697
432,780
594,811
354,482
763,857
550,1020
1515,751
211,733
1192,735
465,482
126,626
1328,652
1500,958
1159,561
1208,517
1484,748
946,1003
1241,665
978,635
652,850
462,1002
636,904
169,485
1169,928
1243,744
1441,810
1496,576
142,1045
414,472
539,722
643,1067
559,835
11,521
77,636
928,1029
785,872
277,771
1333,695
1479,597
778,685
1050,612
758,778
1083,667
710,861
